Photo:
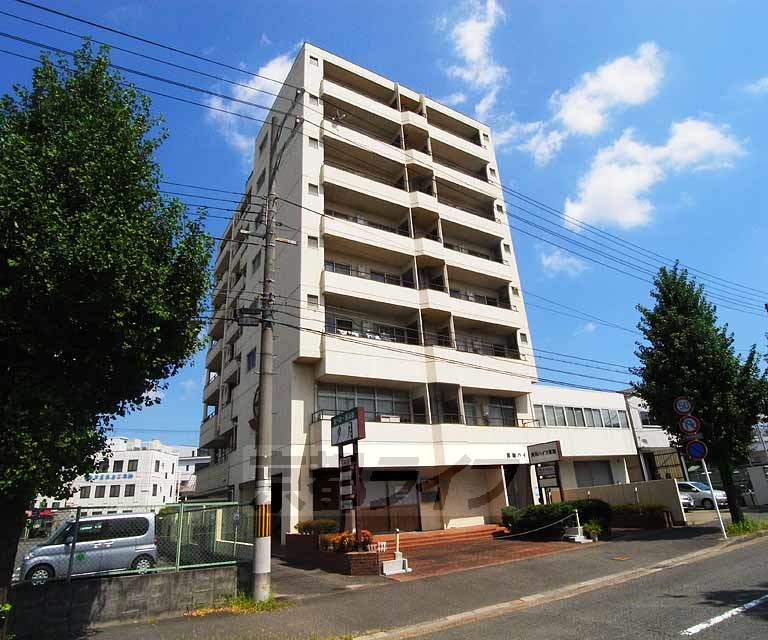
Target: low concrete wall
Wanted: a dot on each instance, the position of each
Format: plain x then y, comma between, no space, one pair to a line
652,492
60,609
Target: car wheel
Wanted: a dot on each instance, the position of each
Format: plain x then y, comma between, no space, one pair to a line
707,503
40,574
142,564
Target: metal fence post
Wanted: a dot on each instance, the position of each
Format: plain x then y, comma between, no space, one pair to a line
180,532
74,544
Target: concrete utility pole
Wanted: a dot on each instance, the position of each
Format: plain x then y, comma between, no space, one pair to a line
262,502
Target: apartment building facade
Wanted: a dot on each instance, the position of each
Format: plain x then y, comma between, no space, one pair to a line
134,476
401,295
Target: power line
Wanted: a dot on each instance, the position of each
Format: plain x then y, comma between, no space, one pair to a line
512,192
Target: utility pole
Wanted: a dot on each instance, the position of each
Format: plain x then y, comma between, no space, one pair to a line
262,540
262,502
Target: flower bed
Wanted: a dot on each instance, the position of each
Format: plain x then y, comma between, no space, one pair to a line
332,552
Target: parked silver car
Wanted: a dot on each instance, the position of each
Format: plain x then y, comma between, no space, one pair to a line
687,501
701,496
104,543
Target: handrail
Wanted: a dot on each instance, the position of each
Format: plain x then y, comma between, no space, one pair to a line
441,418
363,221
365,174
481,299
348,270
474,252
461,207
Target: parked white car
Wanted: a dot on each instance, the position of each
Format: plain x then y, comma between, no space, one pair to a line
701,495
687,501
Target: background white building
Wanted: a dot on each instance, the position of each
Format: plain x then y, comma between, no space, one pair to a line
135,475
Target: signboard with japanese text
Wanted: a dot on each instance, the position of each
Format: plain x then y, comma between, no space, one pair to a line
545,452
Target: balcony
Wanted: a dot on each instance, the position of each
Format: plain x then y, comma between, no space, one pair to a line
216,328
352,95
213,357
219,292
213,478
480,298
452,140
354,179
211,391
370,140
467,181
344,228
222,260
208,433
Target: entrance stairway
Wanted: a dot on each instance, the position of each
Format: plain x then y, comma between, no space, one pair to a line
416,540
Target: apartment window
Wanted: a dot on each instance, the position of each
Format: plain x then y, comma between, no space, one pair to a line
133,465
103,466
615,424
538,411
166,475
337,398
549,411
260,180
313,189
130,490
263,144
597,418
250,360
499,208
313,302
313,242
593,474
99,493
492,172
524,338
646,418
314,61
570,417
117,466
154,489
579,414
314,100
157,466
606,416
85,492
515,291
114,491
96,513
314,143
560,416
623,420
507,249
502,412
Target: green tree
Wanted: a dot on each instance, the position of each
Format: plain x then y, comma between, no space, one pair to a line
686,353
102,279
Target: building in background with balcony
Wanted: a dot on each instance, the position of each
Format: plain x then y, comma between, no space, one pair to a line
402,296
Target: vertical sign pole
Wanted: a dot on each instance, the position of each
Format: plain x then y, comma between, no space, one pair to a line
356,497
712,493
559,481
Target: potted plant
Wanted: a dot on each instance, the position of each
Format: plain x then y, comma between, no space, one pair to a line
592,529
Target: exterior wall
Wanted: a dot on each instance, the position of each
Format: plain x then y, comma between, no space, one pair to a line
146,480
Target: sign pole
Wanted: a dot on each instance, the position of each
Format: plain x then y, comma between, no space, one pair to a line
559,482
356,473
714,499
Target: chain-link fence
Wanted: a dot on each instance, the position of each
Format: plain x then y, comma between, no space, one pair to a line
60,544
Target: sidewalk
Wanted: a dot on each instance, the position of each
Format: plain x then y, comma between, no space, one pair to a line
392,604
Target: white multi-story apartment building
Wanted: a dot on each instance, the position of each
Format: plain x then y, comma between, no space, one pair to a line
133,476
401,295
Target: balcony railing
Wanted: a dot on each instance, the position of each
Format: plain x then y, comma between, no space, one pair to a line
481,299
429,235
376,276
435,286
376,177
488,215
480,175
362,220
485,255
372,331
439,418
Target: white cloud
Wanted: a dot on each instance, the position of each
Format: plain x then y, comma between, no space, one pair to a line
758,86
625,81
589,327
585,109
453,99
238,132
614,190
188,388
471,39
557,262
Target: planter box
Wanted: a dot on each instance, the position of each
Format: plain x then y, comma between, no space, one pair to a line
304,550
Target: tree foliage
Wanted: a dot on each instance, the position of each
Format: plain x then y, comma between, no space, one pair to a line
686,353
102,279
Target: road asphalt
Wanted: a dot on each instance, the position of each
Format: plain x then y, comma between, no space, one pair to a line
699,600
390,605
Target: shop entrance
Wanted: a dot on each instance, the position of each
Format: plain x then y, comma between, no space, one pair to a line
390,501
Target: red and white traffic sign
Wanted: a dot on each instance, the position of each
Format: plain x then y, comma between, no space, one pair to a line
690,425
682,406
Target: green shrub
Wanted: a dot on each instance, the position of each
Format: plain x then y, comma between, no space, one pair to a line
746,526
643,509
591,528
537,516
317,526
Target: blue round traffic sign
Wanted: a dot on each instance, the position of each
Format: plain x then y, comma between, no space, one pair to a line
690,425
696,449
682,406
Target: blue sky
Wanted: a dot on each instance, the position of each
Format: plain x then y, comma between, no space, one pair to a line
644,119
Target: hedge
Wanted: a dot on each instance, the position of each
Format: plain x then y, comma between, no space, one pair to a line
317,526
540,515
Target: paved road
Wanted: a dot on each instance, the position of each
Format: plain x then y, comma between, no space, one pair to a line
674,603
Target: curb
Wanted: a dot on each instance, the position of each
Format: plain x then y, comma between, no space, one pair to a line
554,595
